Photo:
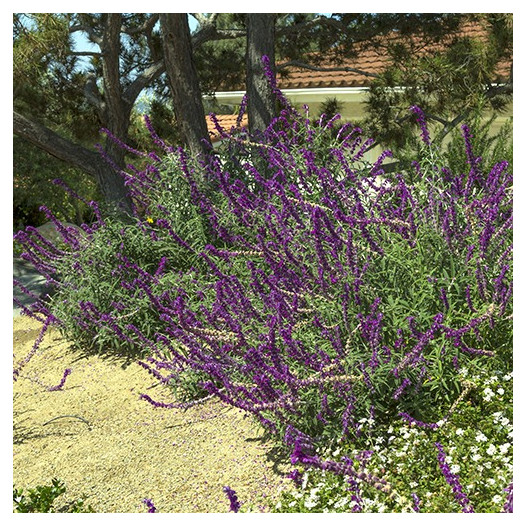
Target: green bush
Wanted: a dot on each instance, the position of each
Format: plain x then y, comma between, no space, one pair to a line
42,500
335,303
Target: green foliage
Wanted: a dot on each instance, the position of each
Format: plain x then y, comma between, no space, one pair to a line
33,175
42,500
496,145
187,385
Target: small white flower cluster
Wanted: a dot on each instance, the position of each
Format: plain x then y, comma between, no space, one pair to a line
488,394
312,498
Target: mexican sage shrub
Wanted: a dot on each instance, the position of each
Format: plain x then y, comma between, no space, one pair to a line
291,279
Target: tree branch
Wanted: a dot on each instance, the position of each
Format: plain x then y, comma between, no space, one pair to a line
303,65
201,19
56,145
147,27
320,20
86,53
87,28
143,80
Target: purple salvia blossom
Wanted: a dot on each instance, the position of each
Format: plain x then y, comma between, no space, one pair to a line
24,238
347,418
398,393
508,505
156,139
443,298
469,253
453,481
38,341
416,503
271,78
294,475
468,146
121,144
355,489
332,120
72,193
361,152
25,290
156,374
340,468
499,288
454,361
28,312
218,126
414,355
413,421
481,281
421,119
161,268
150,505
242,110
232,497
59,386
376,169
163,223
164,405
344,129
69,234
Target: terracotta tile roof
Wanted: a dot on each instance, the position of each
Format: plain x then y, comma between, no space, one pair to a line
370,60
227,122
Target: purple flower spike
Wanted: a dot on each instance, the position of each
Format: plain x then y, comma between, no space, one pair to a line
421,119
453,481
232,497
151,507
294,475
508,505
58,387
416,503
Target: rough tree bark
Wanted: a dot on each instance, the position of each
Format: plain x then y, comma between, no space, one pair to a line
184,82
116,109
261,106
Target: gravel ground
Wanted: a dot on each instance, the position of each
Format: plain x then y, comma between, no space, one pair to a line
121,449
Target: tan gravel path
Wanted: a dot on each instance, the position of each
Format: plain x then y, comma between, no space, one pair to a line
131,450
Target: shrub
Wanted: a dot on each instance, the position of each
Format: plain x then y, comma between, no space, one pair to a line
326,298
42,500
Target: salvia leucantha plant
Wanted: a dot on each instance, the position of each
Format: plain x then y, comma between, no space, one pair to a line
291,279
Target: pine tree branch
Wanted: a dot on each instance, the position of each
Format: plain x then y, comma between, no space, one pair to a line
143,80
147,27
303,65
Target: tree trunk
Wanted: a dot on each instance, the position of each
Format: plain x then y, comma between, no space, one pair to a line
110,183
260,41
184,82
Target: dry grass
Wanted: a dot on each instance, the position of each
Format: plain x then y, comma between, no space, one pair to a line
130,450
